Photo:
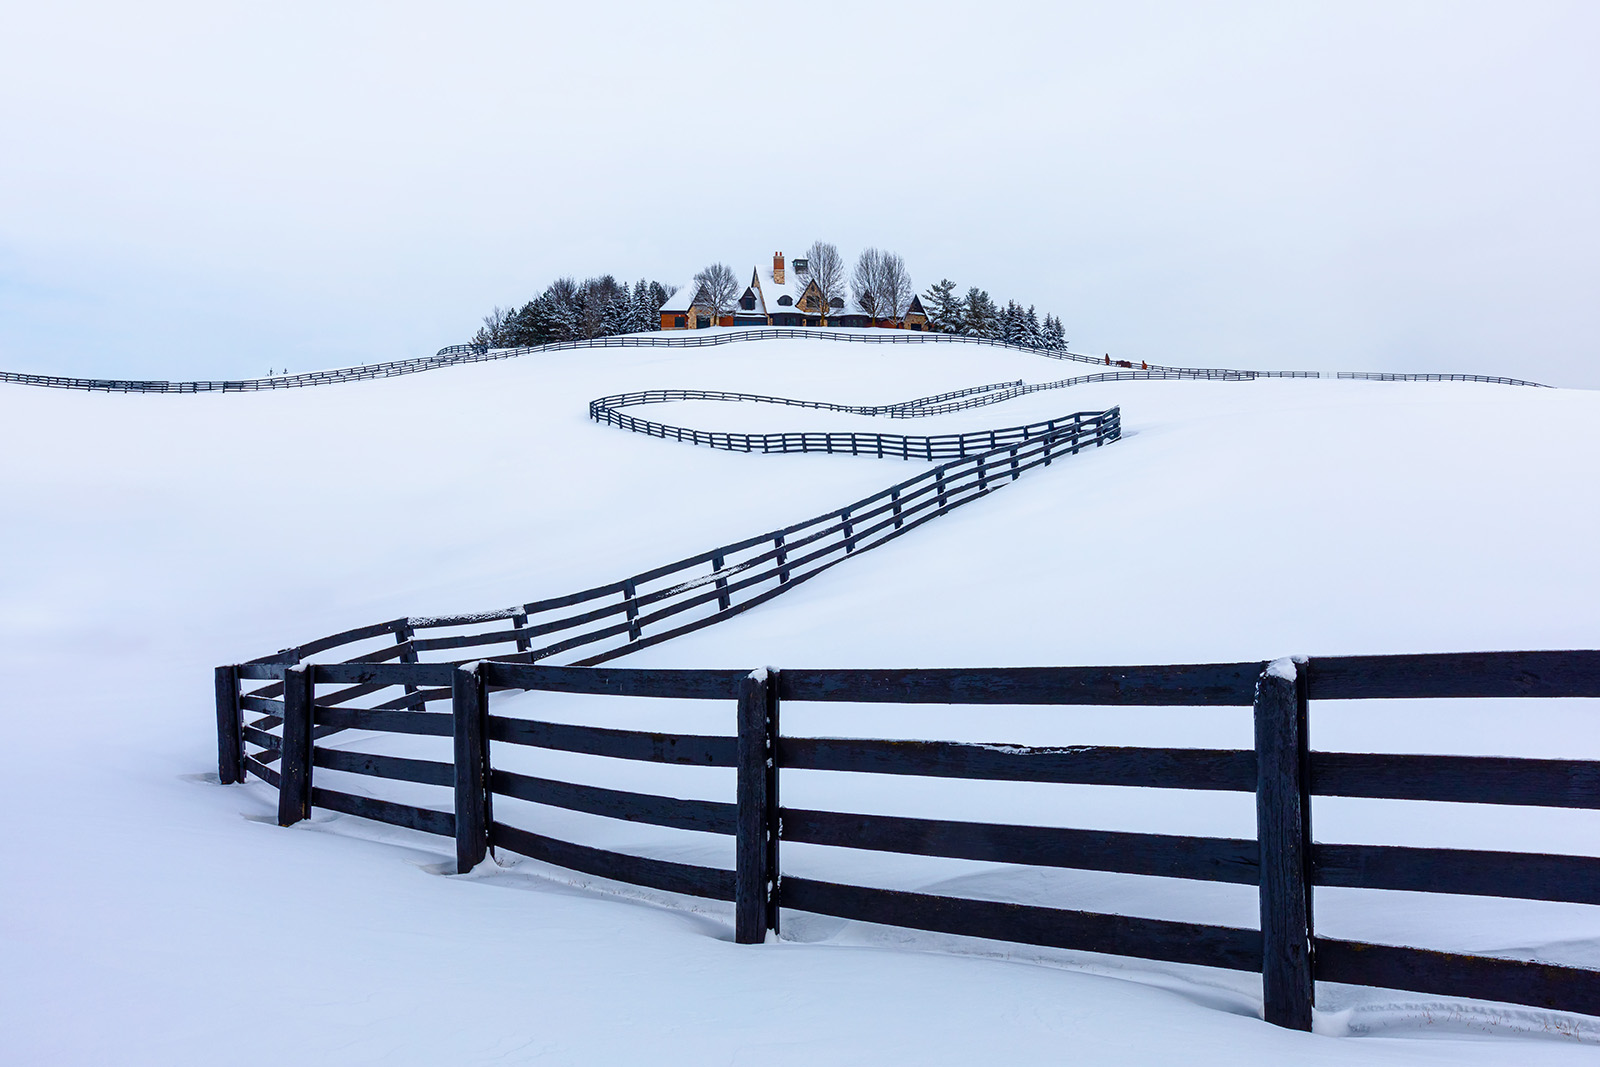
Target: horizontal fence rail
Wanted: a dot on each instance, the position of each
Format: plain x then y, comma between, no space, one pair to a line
1282,860
601,623
455,355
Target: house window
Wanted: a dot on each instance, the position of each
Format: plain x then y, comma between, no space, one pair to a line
786,301
680,321
748,303
802,265
836,302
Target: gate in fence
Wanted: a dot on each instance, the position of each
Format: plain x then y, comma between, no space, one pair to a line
301,705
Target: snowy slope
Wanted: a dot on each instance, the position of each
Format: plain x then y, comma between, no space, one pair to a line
150,917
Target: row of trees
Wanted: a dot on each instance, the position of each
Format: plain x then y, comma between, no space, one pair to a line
977,315
569,310
880,286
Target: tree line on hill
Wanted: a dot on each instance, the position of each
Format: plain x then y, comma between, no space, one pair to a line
880,287
975,314
569,310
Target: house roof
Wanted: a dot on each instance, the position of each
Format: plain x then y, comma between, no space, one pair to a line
682,300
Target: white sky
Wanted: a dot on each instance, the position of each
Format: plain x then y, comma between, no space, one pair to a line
210,190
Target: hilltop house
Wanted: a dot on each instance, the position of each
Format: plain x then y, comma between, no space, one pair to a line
765,302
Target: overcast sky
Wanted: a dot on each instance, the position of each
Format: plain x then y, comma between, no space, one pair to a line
211,190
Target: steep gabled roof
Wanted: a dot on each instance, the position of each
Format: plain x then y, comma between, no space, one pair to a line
684,299
753,289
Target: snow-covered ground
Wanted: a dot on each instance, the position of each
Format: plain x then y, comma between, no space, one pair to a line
149,915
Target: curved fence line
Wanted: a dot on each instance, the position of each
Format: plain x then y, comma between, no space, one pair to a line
271,732
453,355
606,409
619,617
1280,859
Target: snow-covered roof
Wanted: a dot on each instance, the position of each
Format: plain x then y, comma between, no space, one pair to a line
682,300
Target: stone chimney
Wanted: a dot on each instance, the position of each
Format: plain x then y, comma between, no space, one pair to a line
777,267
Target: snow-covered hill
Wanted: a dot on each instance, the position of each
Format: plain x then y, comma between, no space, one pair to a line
148,538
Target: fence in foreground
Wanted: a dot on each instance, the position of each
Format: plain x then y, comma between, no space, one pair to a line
279,746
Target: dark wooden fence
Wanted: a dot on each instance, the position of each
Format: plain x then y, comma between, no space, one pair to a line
453,355
1072,429
608,410
1285,774
611,620
1381,376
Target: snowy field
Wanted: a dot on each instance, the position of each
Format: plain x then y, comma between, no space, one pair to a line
150,916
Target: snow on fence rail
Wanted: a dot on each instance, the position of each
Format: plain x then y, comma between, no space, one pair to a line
620,617
452,355
1281,770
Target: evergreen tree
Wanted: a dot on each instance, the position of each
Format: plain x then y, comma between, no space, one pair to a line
1010,328
1032,331
944,308
639,317
979,318
618,315
1053,337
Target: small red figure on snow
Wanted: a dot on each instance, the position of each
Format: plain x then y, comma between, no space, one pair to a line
1108,359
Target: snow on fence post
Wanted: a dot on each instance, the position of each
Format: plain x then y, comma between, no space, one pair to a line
1283,831
294,775
230,732
630,603
403,634
717,563
782,557
469,708
755,904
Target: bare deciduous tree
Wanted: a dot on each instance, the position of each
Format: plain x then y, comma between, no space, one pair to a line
867,283
719,288
825,267
894,286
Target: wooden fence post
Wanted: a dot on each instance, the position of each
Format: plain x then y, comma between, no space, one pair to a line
782,557
230,733
1283,830
294,771
403,635
630,594
717,563
469,706
756,844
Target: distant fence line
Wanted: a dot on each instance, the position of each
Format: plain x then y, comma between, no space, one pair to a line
453,355
607,409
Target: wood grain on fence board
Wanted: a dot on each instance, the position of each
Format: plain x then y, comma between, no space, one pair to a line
665,875
708,816
1120,935
1209,859
1169,768
1542,985
692,749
